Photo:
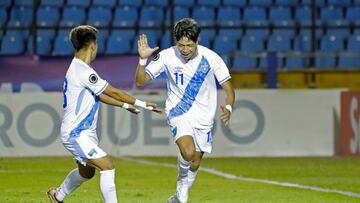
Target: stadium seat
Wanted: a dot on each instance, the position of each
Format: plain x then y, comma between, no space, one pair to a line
208,34
204,15
349,62
3,16
79,3
284,33
302,43
251,44
340,33
236,3
205,42
125,16
99,16
132,3
353,43
279,14
104,3
264,64
21,16
43,45
319,3
339,3
52,3
151,16
308,32
209,3
73,16
47,16
356,2
255,15
23,34
244,63
62,46
124,34
224,45
25,3
5,3
12,45
353,15
289,3
165,41
179,13
325,62
331,43
228,16
46,33
330,14
157,3
303,15
103,34
101,46
231,33
185,3
260,33
264,3
296,62
278,43
117,45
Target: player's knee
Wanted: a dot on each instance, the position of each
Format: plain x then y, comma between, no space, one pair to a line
195,164
188,154
87,173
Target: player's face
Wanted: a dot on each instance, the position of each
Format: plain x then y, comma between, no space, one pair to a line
187,48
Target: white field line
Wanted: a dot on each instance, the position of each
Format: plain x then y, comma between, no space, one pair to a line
234,177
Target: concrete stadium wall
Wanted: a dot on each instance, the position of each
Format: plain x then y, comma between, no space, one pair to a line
264,123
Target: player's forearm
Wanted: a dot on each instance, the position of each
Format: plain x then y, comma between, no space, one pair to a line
230,93
110,101
140,76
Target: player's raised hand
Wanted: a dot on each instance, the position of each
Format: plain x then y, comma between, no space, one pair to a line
225,115
143,47
153,107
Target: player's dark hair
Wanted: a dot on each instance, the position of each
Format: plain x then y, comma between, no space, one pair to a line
187,27
81,36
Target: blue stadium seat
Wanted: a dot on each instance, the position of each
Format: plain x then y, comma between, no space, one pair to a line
208,34
353,43
244,63
151,16
205,42
47,16
251,44
319,3
3,16
12,45
264,3
179,13
294,62
185,3
290,3
308,32
356,2
279,14
285,33
23,34
43,45
73,16
278,44
21,16
303,15
231,33
204,15
52,3
302,43
353,15
157,3
253,15
132,3
117,45
124,34
331,43
228,16
125,16
63,32
264,63
26,3
236,3
104,3
349,62
5,3
330,14
99,16
79,3
209,3
46,33
103,34
260,33
165,41
101,46
341,33
340,3
62,46
224,45
325,62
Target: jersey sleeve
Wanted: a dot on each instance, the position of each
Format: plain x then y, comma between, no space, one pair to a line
91,80
156,66
221,71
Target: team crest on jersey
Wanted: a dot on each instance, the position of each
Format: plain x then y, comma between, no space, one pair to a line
93,78
156,57
174,131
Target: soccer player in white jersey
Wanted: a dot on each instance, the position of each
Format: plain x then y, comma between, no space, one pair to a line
191,70
83,91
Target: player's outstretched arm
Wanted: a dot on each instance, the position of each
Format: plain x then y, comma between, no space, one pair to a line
122,96
110,101
141,77
230,98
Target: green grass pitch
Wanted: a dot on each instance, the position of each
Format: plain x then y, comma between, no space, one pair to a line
27,180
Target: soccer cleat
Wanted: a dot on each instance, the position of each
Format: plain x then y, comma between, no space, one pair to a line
182,189
51,194
173,199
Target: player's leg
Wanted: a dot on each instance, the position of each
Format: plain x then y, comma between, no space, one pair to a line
107,178
195,164
73,180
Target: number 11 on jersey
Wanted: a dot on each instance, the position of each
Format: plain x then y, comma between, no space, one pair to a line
181,76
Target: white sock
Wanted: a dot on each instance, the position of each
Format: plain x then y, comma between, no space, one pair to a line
183,166
107,186
191,177
72,181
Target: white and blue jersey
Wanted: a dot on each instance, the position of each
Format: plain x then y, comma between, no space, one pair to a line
82,87
192,91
